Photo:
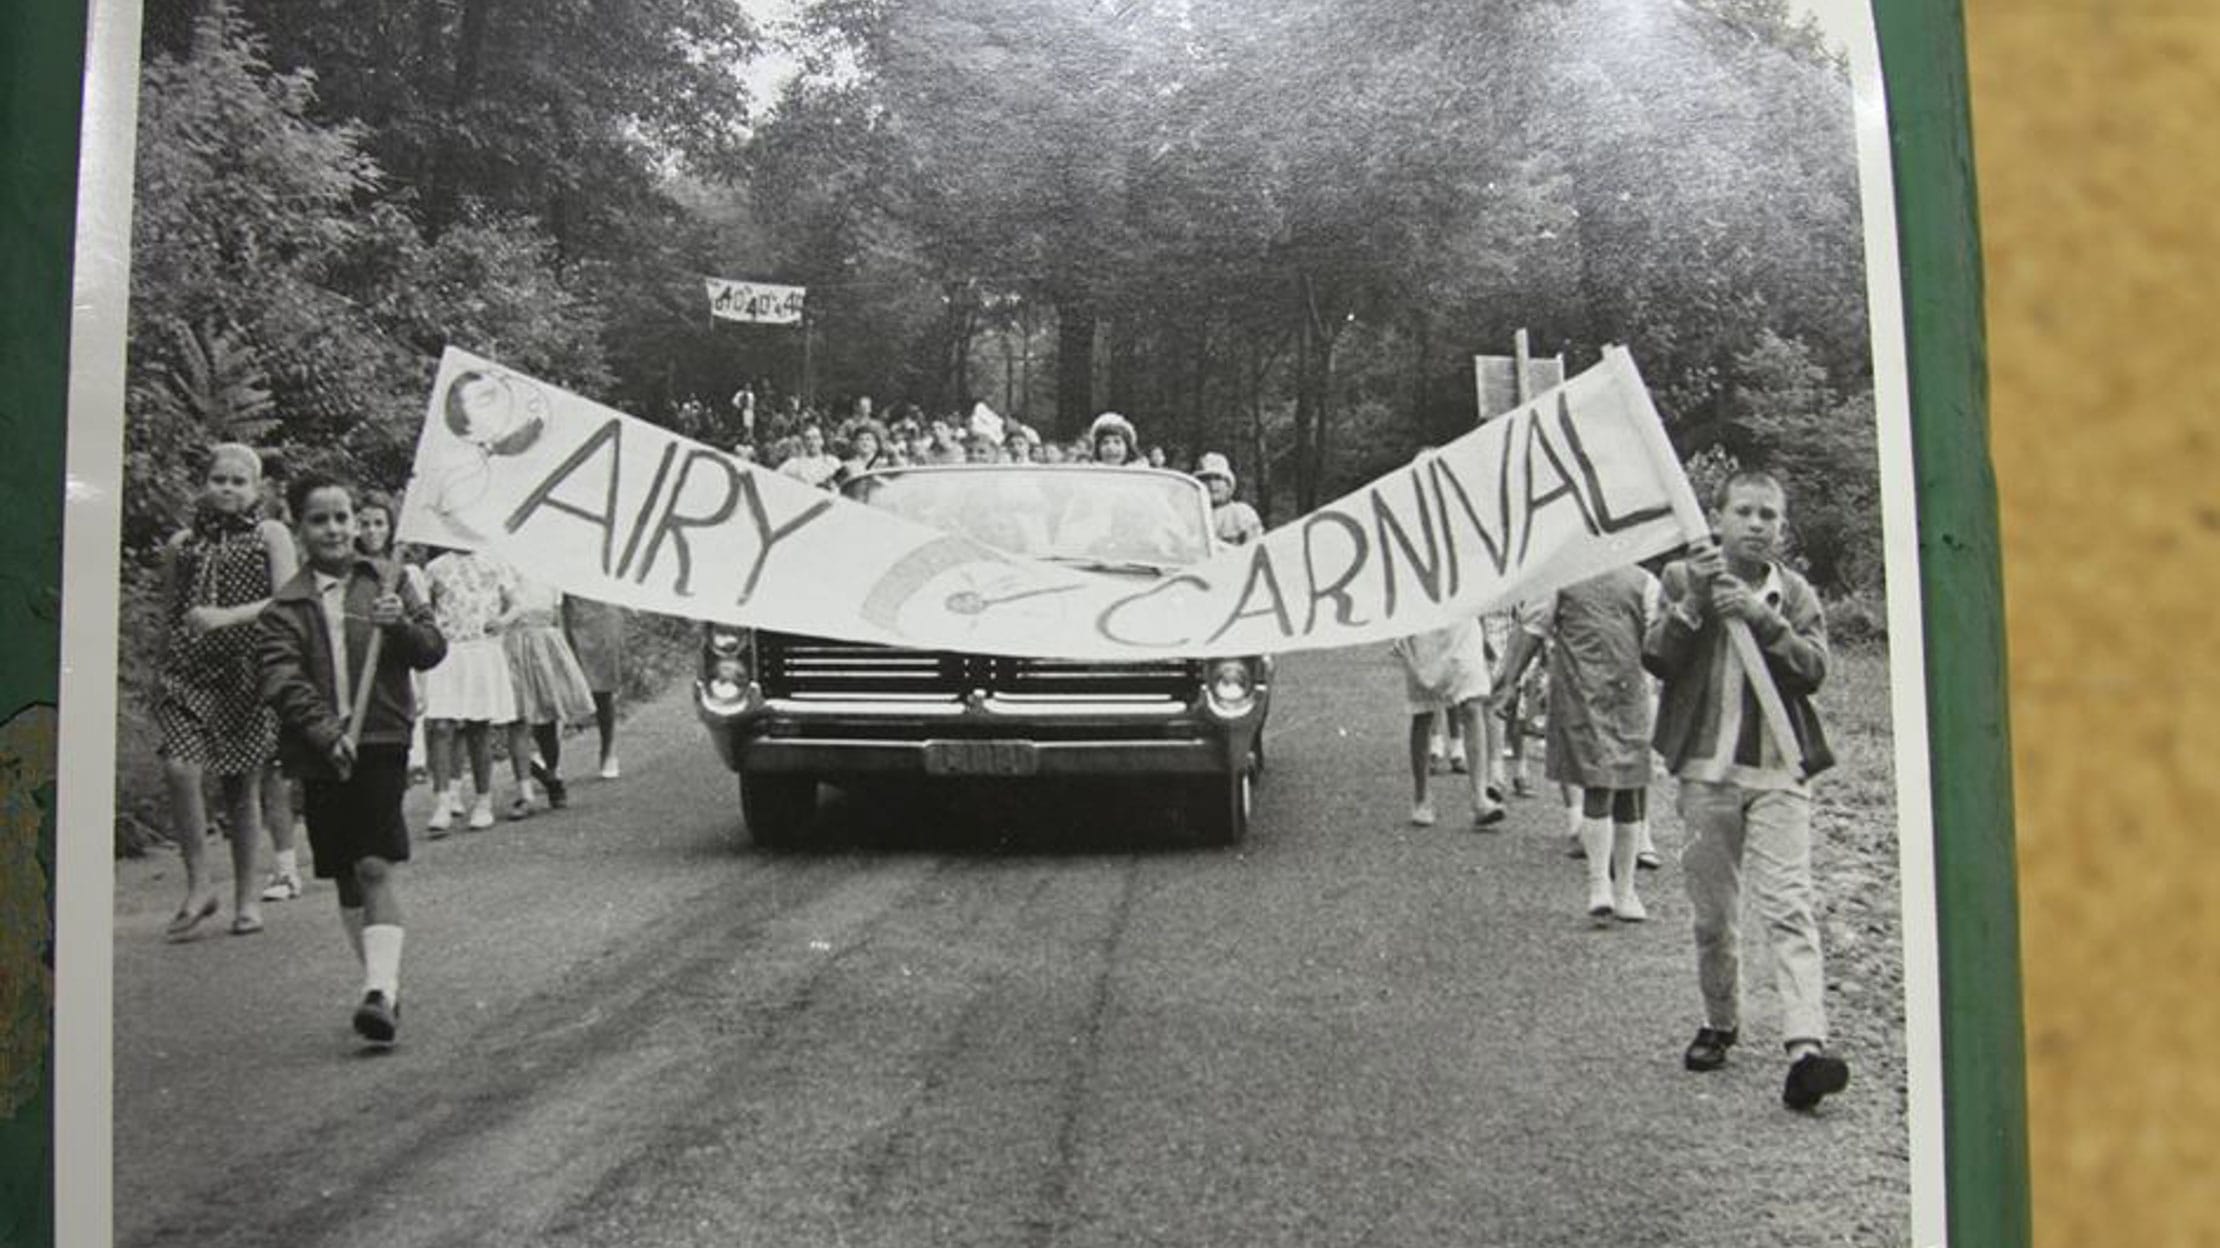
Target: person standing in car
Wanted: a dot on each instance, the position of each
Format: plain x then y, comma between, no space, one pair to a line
1235,522
1111,439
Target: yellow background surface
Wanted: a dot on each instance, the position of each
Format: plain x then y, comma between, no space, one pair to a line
2097,139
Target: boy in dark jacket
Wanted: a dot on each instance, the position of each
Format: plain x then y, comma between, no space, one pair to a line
314,646
1741,798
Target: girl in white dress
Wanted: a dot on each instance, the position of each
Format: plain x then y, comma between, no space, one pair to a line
469,691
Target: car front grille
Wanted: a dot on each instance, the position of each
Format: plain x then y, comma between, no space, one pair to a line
793,666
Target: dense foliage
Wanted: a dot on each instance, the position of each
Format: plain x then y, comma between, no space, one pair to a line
1278,228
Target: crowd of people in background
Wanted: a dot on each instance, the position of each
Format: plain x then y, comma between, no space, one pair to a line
827,445
797,440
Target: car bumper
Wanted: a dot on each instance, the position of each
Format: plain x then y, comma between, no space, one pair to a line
985,739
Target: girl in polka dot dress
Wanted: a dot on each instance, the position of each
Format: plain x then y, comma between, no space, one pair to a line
217,575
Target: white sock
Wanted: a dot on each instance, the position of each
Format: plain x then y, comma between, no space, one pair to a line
381,959
350,917
288,862
1625,842
1642,837
1595,842
1574,821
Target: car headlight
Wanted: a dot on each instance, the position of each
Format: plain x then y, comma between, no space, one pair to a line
724,668
1232,686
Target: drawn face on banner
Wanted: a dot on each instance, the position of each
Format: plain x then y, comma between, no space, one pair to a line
489,414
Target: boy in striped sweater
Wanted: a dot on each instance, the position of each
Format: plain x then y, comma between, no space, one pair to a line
1747,809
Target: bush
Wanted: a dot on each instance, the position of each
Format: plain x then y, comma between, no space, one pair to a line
658,651
1860,617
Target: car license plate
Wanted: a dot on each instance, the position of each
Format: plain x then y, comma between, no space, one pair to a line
980,758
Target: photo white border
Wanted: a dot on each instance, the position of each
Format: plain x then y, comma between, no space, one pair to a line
1917,901
92,536
92,529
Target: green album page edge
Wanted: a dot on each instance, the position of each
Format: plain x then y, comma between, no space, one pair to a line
41,65
1923,62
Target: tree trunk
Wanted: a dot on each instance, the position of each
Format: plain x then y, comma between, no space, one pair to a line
1261,449
440,196
430,22
1125,372
1197,419
1323,358
1075,365
1306,414
1421,365
960,326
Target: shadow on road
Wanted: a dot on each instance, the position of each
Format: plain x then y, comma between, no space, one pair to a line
992,818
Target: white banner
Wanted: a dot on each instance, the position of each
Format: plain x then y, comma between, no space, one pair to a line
605,506
755,302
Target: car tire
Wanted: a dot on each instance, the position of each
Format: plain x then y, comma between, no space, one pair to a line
1219,809
779,809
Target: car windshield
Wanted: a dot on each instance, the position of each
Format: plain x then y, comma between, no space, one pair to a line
1107,518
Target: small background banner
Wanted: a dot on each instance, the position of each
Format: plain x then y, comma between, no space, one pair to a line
1496,379
755,302
602,505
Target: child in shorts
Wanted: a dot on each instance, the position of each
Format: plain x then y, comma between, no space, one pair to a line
314,651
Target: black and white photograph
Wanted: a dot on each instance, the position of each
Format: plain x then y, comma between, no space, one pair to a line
1049,623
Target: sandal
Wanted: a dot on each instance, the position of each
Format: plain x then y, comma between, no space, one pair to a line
186,923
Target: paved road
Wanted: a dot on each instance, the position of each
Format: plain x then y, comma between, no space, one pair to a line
997,1023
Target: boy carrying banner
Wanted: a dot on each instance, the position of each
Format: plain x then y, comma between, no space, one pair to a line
1744,800
337,644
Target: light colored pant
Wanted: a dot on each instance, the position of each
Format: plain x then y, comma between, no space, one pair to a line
1732,829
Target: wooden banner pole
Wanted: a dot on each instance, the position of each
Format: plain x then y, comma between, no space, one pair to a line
388,577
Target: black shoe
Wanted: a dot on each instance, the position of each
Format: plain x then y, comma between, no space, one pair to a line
1708,1051
558,796
1812,1077
377,1019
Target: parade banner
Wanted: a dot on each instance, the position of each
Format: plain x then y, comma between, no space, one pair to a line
755,302
605,506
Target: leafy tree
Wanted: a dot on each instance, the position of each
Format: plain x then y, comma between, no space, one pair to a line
275,297
242,204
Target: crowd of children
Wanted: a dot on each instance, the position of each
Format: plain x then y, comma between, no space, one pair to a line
316,649
1744,790
325,663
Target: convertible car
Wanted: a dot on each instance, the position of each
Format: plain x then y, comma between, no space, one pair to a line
788,712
